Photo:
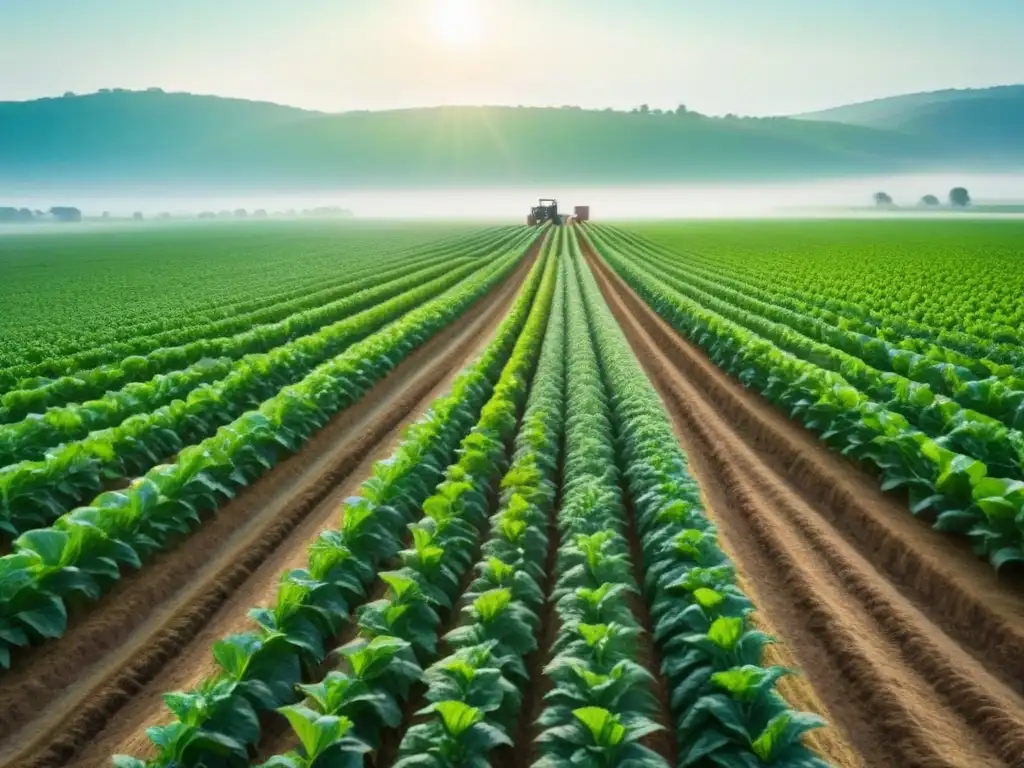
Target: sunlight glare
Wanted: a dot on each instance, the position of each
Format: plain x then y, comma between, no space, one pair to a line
457,22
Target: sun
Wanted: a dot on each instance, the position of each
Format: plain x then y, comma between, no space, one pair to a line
457,22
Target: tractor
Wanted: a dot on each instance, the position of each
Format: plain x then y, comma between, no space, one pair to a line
545,210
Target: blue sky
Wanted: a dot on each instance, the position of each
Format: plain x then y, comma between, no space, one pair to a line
716,56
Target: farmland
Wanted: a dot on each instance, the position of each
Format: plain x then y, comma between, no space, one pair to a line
307,495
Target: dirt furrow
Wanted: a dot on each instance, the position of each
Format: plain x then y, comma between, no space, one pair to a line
101,684
913,647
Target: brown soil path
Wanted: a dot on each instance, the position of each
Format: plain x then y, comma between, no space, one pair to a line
914,646
100,686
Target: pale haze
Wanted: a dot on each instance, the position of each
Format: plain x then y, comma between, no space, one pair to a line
756,57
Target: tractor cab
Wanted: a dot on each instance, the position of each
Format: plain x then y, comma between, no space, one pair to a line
545,210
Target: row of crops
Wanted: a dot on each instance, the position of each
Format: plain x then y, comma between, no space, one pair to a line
178,452
935,410
954,280
168,280
531,573
68,453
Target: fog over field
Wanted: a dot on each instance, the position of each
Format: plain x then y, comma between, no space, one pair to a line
825,197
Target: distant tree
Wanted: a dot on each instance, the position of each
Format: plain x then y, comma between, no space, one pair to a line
882,199
69,94
682,110
28,215
120,90
224,215
10,215
154,89
259,213
327,211
959,197
644,109
164,215
66,213
207,215
137,216
104,90
106,215
241,213
929,200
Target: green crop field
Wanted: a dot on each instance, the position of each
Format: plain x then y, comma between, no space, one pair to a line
66,294
311,495
948,275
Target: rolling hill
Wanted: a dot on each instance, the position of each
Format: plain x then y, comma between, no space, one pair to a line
161,139
978,122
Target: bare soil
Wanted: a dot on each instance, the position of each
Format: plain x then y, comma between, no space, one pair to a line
912,644
93,692
664,741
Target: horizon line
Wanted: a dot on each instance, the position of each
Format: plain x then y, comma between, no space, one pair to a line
115,90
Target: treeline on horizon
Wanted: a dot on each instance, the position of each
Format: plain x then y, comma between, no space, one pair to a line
643,109
67,214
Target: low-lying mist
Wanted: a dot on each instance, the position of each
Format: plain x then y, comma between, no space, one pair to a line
852,196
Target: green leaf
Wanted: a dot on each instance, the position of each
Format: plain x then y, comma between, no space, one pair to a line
995,487
605,728
422,538
1006,555
492,602
371,659
50,619
708,598
400,584
48,543
190,708
726,631
764,745
738,681
997,509
316,732
457,716
499,569
234,652
593,633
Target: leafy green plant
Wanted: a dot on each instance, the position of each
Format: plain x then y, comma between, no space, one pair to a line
596,737
485,670
74,472
457,735
325,739
726,709
189,286
124,527
345,562
937,450
600,700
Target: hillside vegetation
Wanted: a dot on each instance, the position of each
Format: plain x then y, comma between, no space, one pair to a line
183,139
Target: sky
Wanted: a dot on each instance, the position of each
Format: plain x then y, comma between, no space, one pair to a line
749,57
